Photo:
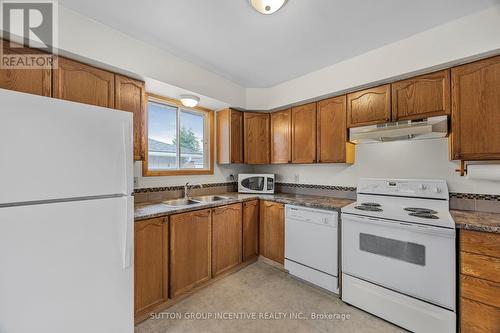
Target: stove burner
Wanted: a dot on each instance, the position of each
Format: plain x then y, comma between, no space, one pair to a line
424,215
420,210
370,204
368,208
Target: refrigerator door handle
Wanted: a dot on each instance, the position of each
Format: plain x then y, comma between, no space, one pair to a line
127,158
128,241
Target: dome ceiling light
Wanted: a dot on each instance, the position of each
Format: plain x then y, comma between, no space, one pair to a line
267,6
189,101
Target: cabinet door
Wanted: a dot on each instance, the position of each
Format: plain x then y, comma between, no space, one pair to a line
256,138
236,131
422,96
304,133
229,136
190,249
369,106
475,107
281,122
150,264
250,229
332,132
226,238
77,82
31,81
272,231
130,96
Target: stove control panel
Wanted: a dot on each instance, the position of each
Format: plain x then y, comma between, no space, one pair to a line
420,188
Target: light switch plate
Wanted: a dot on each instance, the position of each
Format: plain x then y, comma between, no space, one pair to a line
136,181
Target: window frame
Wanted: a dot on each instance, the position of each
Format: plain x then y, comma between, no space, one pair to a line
211,140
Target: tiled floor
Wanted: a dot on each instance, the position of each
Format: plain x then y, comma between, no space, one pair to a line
260,290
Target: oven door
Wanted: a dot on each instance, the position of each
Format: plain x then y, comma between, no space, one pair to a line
413,259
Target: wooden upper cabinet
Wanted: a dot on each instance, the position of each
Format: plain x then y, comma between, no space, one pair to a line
475,90
332,132
304,133
130,96
229,136
281,137
250,229
226,238
256,132
190,250
272,231
150,264
31,81
369,106
422,96
77,82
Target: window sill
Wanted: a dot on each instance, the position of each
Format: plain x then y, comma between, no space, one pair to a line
159,173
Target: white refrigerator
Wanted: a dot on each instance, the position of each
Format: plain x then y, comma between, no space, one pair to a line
66,217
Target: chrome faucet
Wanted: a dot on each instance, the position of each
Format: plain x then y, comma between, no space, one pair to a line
187,187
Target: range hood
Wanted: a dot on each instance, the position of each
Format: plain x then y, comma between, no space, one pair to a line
428,128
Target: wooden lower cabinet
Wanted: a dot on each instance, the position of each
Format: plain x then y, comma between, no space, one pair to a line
250,229
479,282
272,231
150,264
226,238
190,250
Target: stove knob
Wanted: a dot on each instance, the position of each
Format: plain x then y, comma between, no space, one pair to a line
437,189
422,187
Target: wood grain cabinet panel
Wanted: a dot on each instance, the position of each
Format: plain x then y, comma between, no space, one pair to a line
422,96
190,251
226,238
281,140
475,90
272,231
130,96
150,264
229,136
77,82
479,281
256,143
31,81
332,132
369,106
250,229
304,133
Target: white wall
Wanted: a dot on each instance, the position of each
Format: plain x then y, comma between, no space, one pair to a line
402,159
221,175
462,39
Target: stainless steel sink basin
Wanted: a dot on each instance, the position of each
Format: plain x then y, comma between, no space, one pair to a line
180,202
210,198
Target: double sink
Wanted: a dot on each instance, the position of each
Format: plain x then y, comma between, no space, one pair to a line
193,201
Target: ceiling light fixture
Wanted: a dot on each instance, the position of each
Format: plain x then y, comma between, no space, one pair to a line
189,101
267,6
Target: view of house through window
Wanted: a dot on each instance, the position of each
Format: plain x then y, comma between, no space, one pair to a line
177,137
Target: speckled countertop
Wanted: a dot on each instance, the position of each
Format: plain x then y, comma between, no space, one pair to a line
150,210
476,221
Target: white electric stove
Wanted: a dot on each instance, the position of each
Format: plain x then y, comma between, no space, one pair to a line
399,255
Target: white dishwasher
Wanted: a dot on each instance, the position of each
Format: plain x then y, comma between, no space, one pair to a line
311,245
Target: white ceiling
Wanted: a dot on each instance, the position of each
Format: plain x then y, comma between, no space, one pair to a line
229,38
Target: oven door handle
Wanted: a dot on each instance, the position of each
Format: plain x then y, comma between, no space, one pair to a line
420,228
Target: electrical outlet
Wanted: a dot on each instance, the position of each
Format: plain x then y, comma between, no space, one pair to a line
136,182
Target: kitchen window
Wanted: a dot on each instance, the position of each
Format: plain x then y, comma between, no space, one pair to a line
179,140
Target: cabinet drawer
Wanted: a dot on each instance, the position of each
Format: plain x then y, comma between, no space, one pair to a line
480,266
484,291
477,317
480,242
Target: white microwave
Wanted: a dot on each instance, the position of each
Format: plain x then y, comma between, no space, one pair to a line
255,183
